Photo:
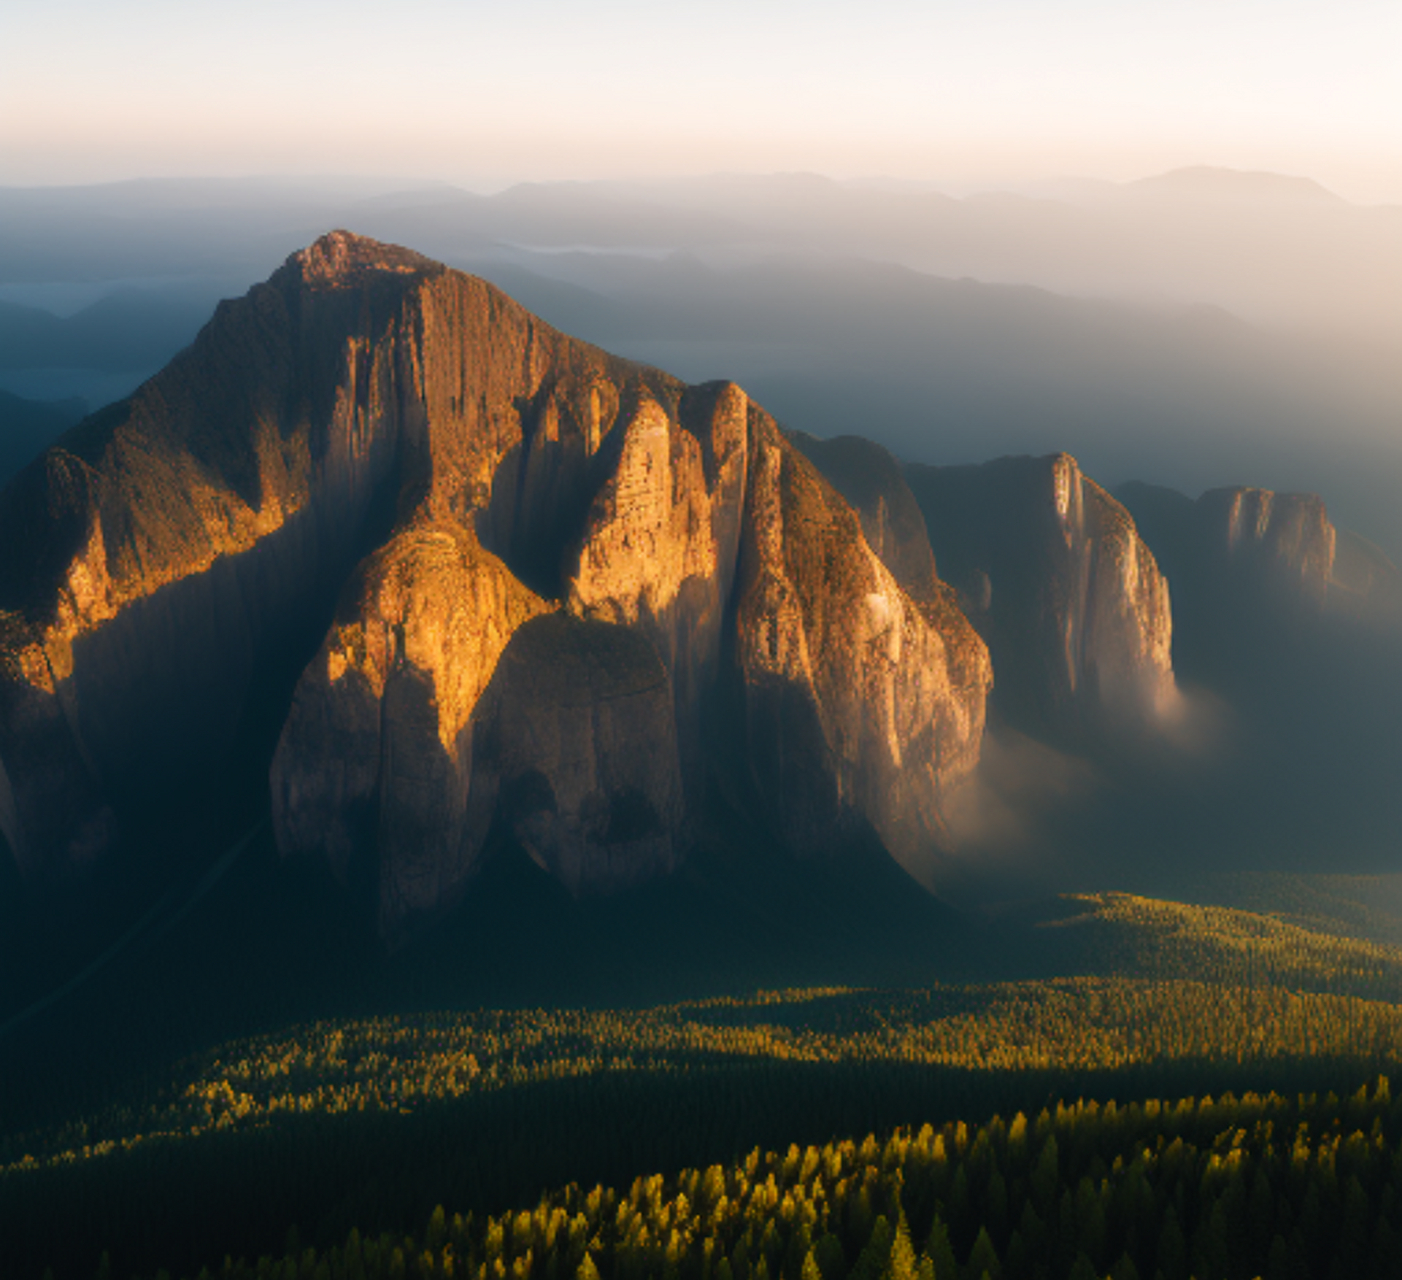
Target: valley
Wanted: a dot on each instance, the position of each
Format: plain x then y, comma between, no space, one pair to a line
365,1124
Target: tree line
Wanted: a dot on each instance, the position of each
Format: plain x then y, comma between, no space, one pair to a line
1219,1189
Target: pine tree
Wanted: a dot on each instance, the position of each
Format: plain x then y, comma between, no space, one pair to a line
1173,1248
1354,1235
941,1252
1124,1269
1019,1256
876,1257
983,1258
1046,1175
831,1259
1082,1269
902,1264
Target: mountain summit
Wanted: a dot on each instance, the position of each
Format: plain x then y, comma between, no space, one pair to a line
520,587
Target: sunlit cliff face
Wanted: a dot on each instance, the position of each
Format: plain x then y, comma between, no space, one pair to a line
407,439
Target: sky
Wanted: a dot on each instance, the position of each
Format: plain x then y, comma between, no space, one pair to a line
485,94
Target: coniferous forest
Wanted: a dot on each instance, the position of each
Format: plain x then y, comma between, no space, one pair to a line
1181,1089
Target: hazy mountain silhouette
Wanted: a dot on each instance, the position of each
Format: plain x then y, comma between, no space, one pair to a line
783,292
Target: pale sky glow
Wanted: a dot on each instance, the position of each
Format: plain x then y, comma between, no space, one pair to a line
486,94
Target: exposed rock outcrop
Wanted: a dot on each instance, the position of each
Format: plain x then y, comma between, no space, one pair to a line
1285,539
577,745
179,548
549,575
855,703
873,481
1256,573
1363,583
374,763
1264,550
1070,599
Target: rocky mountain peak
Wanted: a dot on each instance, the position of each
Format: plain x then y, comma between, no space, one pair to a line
341,258
1289,533
384,483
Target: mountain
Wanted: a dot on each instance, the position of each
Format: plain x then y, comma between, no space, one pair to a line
1183,340
1289,626
1251,568
523,590
385,557
1208,182
126,329
870,478
1048,567
1052,571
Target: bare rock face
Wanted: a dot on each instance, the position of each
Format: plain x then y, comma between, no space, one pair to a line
522,581
374,763
167,554
1070,599
1258,574
1277,549
1364,584
577,745
874,483
855,703
1286,539
661,537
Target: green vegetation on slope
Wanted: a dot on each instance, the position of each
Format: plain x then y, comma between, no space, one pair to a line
1256,1186
395,1066
1350,906
366,1123
1127,934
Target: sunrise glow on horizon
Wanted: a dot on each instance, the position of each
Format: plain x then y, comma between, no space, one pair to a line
475,94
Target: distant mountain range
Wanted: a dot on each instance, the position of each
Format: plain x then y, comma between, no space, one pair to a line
1200,328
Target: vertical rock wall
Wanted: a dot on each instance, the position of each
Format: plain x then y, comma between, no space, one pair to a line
180,547
874,483
1071,601
856,706
569,567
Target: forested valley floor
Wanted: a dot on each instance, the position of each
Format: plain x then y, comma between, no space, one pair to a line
1175,1090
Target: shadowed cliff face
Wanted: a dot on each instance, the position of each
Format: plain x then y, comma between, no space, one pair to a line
556,571
1283,543
374,763
1255,573
1053,573
178,548
577,742
1294,624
